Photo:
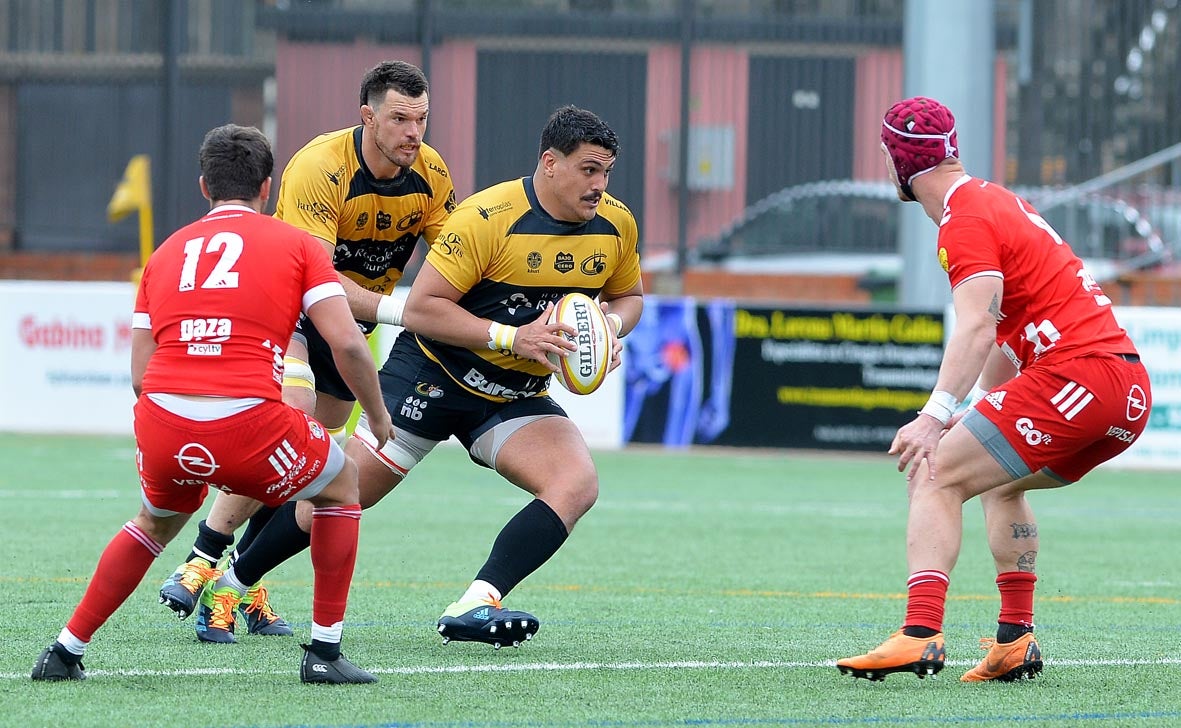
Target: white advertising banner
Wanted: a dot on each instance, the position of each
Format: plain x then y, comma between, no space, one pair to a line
65,357
1157,335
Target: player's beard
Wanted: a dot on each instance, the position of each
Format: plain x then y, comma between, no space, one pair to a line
397,155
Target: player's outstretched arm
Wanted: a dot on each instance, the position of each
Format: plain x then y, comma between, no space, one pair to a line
334,321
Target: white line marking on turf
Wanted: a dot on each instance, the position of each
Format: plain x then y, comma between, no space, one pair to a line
65,494
578,666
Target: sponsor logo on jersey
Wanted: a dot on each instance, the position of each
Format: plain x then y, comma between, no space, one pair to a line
202,329
487,212
384,220
287,462
372,259
198,482
1121,434
1029,431
996,399
594,264
334,177
318,210
316,430
1137,403
564,262
533,260
409,221
450,204
450,244
515,301
362,220
195,459
412,407
427,389
480,383
204,349
1071,399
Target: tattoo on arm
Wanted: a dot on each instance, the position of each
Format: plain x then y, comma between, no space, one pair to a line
994,308
1025,562
1024,530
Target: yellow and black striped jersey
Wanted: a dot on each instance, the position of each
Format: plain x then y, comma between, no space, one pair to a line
374,223
511,259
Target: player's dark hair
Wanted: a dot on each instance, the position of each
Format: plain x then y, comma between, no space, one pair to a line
405,78
235,161
570,126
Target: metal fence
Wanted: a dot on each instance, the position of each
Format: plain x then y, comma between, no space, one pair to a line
719,103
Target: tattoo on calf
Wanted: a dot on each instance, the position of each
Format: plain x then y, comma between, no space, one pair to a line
1024,530
1025,562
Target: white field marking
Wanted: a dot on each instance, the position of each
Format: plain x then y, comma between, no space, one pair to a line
33,494
580,666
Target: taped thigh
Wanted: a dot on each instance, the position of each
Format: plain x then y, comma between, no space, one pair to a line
400,454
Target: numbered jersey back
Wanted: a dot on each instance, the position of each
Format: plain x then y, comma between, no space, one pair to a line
1052,308
221,297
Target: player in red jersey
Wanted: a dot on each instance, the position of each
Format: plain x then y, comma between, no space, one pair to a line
1024,304
367,193
216,306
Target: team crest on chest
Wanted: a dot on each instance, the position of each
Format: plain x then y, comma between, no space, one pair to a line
533,260
594,264
409,221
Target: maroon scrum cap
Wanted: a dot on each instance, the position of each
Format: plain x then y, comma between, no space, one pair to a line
918,133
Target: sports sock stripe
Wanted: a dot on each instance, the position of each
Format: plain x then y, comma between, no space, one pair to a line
353,512
922,577
148,542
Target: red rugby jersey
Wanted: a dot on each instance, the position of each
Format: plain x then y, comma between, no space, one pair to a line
1052,308
221,297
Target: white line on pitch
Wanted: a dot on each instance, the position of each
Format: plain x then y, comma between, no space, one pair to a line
579,666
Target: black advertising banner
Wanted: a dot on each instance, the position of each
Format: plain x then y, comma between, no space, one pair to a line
716,373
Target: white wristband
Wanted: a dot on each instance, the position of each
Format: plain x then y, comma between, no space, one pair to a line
941,406
976,395
618,321
389,310
501,336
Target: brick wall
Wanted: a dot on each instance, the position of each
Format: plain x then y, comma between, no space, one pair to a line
68,266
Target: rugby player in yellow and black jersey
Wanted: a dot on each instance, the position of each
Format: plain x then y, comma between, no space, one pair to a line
368,193
472,362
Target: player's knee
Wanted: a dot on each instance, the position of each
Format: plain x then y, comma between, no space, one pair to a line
339,435
161,529
342,490
580,492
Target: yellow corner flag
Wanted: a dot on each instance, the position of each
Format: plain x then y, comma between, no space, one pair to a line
134,193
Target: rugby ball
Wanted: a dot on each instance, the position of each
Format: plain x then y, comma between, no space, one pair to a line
583,370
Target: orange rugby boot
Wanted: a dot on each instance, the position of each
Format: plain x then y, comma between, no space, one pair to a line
921,655
1009,661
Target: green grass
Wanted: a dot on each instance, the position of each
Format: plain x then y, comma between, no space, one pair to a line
703,589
